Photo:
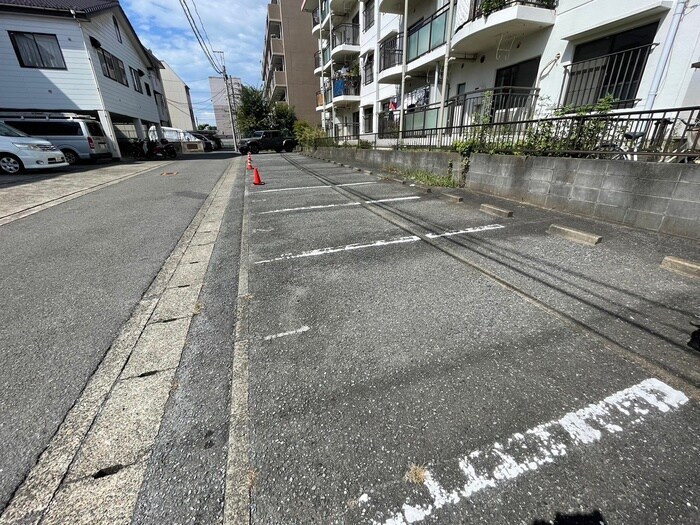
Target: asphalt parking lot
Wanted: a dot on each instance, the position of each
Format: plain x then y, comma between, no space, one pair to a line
415,359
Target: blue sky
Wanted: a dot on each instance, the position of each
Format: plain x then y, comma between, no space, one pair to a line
236,27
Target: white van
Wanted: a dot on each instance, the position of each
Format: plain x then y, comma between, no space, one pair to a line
79,137
172,134
20,152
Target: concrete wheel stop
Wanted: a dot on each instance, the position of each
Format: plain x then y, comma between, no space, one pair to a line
575,235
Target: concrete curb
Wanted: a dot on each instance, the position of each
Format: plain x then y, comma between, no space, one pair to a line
452,198
684,266
495,210
575,235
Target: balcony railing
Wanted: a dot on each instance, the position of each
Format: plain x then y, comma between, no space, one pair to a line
324,9
618,74
319,99
316,16
368,72
428,35
322,58
486,7
391,52
346,34
498,104
349,131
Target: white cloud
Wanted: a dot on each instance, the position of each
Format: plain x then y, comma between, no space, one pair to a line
236,27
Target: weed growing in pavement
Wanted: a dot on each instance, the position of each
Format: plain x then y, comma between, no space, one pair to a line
416,474
430,179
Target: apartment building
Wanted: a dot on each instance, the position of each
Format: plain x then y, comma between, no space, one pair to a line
177,95
390,65
226,125
287,64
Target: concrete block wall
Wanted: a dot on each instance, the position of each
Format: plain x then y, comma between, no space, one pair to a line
663,197
440,163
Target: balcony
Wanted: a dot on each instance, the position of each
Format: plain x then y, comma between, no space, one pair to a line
345,41
316,20
350,130
346,91
491,105
274,13
278,89
390,57
322,61
482,25
309,5
276,46
323,98
425,40
618,74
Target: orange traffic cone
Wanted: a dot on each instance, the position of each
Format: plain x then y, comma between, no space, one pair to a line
256,178
250,162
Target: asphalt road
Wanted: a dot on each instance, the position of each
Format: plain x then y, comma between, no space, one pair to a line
361,352
71,276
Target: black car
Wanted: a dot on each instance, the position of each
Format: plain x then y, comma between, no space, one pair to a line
271,139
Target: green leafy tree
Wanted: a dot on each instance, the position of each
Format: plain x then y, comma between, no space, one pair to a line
282,116
253,110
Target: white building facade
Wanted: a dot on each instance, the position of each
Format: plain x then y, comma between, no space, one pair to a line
87,60
225,102
177,95
520,59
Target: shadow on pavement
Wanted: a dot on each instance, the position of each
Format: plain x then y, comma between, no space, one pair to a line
594,518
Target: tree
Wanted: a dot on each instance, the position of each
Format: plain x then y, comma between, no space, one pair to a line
282,116
205,126
253,110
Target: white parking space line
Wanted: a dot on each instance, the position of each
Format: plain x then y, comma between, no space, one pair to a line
523,452
324,206
335,249
319,187
285,334
468,230
375,244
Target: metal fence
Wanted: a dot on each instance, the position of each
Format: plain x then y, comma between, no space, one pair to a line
670,135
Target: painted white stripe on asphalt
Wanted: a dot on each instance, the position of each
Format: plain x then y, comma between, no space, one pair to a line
468,230
349,247
322,206
543,444
320,187
291,332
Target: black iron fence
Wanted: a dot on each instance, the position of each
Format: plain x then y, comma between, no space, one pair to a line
350,130
670,135
368,15
368,72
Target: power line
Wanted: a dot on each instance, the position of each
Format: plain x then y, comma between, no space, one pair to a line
198,36
211,47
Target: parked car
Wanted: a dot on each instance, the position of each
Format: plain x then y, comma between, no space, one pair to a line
79,138
208,144
270,139
20,152
211,135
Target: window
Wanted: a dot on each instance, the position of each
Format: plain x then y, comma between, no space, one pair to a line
610,65
367,119
112,67
368,15
136,77
117,32
37,50
148,89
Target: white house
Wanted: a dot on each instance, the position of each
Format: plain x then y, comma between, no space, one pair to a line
80,56
177,95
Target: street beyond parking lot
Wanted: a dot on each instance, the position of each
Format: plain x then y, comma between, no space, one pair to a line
335,347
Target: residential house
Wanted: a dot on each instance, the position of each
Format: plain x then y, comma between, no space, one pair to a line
177,95
288,58
427,64
80,56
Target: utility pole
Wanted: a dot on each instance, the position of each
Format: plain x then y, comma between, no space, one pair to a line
228,99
